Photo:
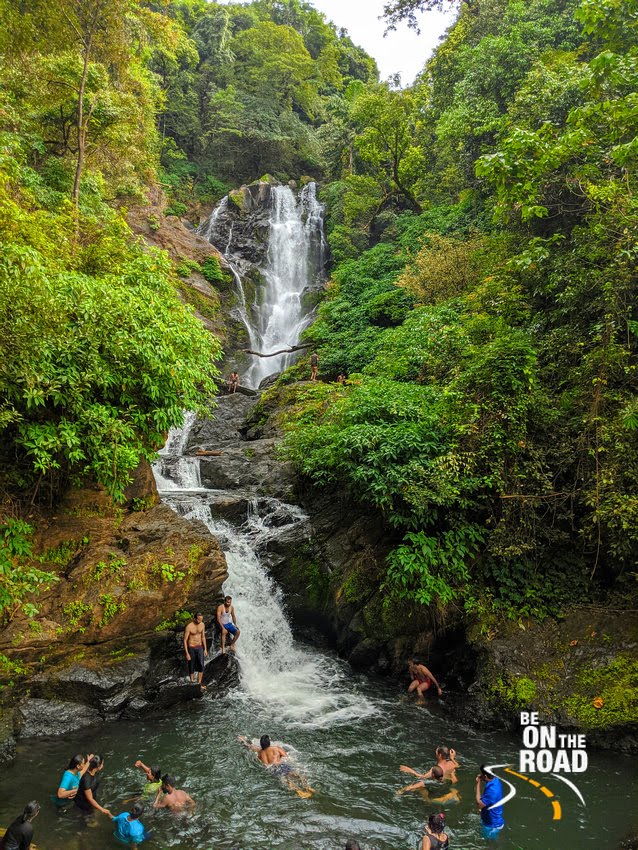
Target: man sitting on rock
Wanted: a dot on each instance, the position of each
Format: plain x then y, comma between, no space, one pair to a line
228,623
233,382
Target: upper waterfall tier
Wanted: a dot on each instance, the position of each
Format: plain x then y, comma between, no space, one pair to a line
273,239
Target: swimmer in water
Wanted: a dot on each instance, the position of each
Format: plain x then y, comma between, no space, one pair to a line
435,774
20,833
445,759
435,837
272,756
154,776
169,797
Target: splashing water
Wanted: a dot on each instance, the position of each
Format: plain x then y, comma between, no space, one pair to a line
287,680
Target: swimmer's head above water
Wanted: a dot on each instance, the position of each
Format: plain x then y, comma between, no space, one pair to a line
168,784
264,742
436,823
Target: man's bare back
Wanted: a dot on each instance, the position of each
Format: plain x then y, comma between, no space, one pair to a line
272,755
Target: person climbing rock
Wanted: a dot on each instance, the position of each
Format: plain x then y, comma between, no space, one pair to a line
421,679
314,365
169,797
233,382
275,758
128,827
154,776
435,837
195,648
20,833
86,798
228,623
491,814
70,781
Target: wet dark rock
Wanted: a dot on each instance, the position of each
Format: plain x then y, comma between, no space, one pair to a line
269,380
249,466
40,717
7,736
224,427
242,227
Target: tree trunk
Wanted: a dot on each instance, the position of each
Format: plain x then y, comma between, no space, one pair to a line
80,125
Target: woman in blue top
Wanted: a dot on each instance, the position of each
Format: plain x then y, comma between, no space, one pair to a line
128,828
71,779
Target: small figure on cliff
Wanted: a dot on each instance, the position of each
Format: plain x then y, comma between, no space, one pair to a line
128,828
314,365
275,758
169,797
70,781
421,678
435,837
86,798
228,623
20,833
341,378
154,776
195,649
491,814
233,382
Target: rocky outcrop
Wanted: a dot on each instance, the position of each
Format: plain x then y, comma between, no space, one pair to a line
105,642
250,467
579,672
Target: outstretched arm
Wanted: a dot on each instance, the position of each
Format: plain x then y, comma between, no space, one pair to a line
405,769
247,744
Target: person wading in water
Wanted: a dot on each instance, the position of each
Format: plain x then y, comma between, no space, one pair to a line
195,649
435,837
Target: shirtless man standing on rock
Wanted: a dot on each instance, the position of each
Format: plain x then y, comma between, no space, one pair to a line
195,649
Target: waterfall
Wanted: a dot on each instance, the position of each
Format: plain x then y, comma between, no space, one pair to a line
279,677
172,469
292,266
295,258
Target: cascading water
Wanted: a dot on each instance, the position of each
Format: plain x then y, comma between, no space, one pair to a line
173,470
293,266
287,680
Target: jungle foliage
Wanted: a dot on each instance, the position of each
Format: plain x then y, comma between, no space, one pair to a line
483,303
98,356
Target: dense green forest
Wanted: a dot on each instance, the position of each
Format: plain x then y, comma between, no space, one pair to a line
482,301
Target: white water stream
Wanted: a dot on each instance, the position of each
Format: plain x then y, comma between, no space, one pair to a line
293,266
286,680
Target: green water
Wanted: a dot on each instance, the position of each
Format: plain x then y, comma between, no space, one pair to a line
352,763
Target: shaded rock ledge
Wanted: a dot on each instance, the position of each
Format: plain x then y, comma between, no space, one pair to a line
106,642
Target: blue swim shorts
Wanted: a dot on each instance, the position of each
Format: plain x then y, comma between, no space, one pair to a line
231,628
